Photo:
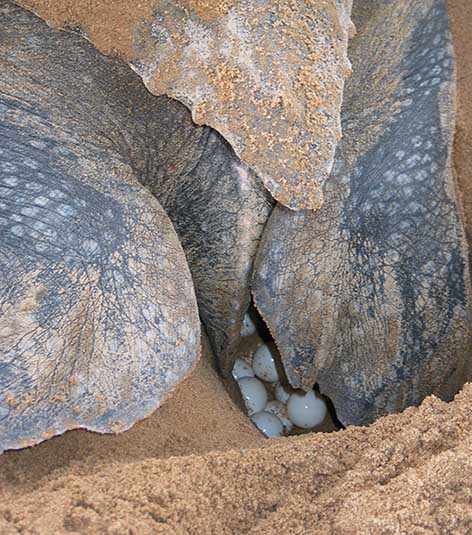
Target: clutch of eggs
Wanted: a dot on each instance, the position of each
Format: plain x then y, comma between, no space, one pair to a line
275,417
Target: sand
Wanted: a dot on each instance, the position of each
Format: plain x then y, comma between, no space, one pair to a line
198,466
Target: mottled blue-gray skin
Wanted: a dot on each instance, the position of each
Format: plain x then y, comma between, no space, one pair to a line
219,209
370,296
98,316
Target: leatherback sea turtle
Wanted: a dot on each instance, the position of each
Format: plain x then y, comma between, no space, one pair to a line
118,215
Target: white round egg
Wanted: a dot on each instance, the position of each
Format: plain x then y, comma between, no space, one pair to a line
241,369
280,410
306,410
268,423
248,327
281,393
253,393
263,364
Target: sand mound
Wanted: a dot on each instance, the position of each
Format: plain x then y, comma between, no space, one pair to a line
405,474
198,466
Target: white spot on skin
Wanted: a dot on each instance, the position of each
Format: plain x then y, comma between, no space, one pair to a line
403,179
39,225
56,194
413,160
29,162
10,181
18,230
237,45
29,211
7,167
394,258
33,186
50,233
170,377
150,334
415,207
41,201
66,210
159,33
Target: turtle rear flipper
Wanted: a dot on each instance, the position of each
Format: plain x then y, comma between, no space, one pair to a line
370,295
99,320
98,312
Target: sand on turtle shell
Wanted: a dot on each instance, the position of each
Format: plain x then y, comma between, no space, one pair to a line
285,132
198,466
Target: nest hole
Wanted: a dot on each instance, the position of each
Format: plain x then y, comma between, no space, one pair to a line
257,362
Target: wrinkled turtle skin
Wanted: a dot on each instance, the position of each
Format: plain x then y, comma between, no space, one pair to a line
219,209
370,296
99,318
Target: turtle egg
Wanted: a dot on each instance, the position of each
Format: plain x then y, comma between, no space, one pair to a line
241,369
248,326
268,423
254,394
306,410
280,410
281,393
263,364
